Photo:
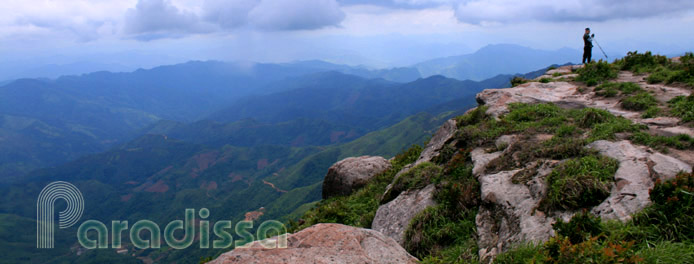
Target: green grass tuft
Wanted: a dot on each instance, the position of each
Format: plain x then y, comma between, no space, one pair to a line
579,183
593,73
639,102
683,107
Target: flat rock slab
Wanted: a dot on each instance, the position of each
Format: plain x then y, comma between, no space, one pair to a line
638,170
324,244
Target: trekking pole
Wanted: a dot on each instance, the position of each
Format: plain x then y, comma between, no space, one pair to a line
603,52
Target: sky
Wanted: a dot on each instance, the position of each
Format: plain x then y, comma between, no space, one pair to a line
374,33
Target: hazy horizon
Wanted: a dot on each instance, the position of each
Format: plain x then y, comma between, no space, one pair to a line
378,34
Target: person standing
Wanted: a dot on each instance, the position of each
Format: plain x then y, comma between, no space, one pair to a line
587,46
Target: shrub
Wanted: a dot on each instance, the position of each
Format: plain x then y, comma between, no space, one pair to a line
659,75
639,102
683,107
640,63
518,81
545,80
523,253
579,183
672,212
473,116
580,228
592,73
561,250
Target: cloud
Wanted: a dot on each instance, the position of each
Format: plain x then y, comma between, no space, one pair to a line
228,14
509,11
152,19
84,30
404,4
295,14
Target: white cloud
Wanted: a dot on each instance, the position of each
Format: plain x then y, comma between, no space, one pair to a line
295,14
228,14
509,11
82,20
160,18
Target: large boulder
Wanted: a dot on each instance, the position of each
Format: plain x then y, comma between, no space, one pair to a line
392,218
324,243
350,174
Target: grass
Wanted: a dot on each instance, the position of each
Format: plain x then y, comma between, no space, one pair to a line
681,141
359,208
446,232
611,89
518,81
661,69
641,62
579,183
415,178
661,233
683,107
651,112
639,102
596,72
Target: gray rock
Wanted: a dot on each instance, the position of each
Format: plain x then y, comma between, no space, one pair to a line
351,174
324,243
445,133
393,217
507,215
637,172
534,92
480,159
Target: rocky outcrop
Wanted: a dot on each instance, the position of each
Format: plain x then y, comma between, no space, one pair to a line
393,217
350,174
509,215
638,170
512,188
445,133
323,244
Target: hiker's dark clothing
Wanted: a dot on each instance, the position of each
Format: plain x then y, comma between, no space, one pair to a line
587,48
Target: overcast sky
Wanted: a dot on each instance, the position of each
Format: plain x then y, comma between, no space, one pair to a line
377,33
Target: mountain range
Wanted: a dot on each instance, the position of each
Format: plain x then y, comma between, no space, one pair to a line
232,138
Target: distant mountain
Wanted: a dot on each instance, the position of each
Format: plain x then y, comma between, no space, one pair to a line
53,71
398,74
351,100
249,132
497,59
46,122
272,155
156,177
